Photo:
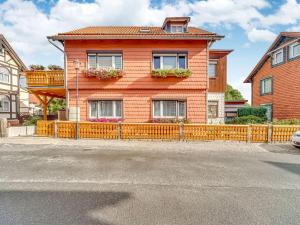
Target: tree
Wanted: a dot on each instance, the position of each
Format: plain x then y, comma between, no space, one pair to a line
56,104
232,94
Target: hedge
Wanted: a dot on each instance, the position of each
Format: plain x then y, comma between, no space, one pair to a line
253,111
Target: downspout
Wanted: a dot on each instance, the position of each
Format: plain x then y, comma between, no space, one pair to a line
65,75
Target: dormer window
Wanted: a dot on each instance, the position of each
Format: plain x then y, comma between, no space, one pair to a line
277,57
294,50
177,29
176,24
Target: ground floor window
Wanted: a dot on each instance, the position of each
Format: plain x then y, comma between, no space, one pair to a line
169,109
4,104
106,109
213,109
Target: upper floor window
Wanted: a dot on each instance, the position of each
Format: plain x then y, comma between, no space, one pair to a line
169,61
294,50
106,109
277,57
4,75
266,86
212,69
177,29
169,109
1,50
105,61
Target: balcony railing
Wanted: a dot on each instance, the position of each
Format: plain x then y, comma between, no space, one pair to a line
52,78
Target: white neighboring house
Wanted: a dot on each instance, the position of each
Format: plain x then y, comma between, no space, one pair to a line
10,67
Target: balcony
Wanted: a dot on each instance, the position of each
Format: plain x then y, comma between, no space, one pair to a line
53,78
46,83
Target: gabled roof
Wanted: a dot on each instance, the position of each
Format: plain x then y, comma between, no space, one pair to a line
133,32
265,57
12,52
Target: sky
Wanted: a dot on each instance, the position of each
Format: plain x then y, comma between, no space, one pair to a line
249,26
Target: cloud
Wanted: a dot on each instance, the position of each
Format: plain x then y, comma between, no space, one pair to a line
255,35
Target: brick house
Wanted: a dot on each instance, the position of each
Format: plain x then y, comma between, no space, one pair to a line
275,80
158,73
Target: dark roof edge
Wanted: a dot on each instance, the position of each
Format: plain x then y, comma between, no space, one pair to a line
14,54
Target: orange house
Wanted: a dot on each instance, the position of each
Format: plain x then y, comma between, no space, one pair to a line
141,74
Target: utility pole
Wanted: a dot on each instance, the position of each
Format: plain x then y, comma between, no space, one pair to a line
77,66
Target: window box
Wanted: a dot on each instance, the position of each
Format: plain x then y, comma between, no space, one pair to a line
103,74
106,120
166,120
163,73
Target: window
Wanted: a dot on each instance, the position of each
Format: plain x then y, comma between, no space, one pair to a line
4,75
269,112
277,57
213,109
266,86
106,109
4,104
105,61
294,50
177,29
169,61
1,50
212,69
169,109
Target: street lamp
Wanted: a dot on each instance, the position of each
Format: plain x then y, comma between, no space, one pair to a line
77,66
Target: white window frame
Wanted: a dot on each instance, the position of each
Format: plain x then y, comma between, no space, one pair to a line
212,62
176,26
5,74
263,84
291,50
169,117
3,100
274,57
113,55
174,55
98,110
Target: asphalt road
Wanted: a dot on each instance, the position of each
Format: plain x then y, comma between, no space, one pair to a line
52,182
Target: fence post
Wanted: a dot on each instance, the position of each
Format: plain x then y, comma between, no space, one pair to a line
181,131
249,134
270,132
55,129
119,130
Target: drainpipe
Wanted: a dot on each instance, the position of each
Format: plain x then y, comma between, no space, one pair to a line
65,74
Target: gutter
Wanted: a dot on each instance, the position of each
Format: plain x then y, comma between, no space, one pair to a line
65,73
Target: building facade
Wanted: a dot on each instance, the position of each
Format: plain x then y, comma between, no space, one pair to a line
275,80
143,74
10,68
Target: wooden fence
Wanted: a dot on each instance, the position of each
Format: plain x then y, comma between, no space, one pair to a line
166,131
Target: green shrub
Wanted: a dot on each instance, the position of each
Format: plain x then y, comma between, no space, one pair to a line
31,120
253,111
286,122
246,120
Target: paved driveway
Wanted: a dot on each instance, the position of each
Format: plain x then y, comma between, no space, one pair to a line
52,181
